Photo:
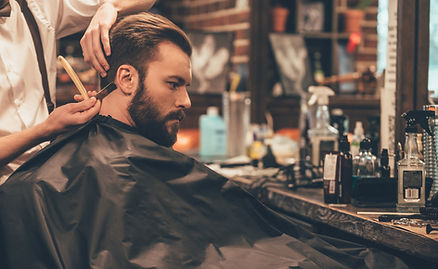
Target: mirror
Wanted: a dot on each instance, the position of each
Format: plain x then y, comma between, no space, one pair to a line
433,51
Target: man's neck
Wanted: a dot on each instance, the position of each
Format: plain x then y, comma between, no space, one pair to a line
116,105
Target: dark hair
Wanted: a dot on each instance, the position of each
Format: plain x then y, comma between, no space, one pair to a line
135,38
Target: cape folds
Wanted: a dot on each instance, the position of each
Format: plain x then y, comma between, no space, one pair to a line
105,197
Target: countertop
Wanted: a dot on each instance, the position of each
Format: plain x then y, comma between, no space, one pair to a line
308,203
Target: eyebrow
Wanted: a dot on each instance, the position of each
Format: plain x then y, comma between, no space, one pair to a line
180,80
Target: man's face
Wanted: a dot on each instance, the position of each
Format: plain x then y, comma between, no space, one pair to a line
161,99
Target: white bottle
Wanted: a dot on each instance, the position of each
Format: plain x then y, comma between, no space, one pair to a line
411,177
411,169
213,144
357,138
323,137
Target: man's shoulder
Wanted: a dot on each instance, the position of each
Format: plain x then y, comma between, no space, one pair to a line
17,187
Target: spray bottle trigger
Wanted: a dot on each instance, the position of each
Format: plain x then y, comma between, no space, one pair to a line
421,117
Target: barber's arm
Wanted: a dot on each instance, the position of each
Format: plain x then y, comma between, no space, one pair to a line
60,120
97,34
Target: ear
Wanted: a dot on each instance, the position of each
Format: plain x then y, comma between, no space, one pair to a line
127,79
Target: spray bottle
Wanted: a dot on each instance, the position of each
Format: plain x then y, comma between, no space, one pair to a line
323,137
411,169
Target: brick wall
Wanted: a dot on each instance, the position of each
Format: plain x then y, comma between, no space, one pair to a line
233,16
214,16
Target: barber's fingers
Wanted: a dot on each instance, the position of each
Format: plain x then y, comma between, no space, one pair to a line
104,36
80,98
98,58
97,36
90,49
79,113
86,45
83,116
91,46
82,106
65,117
92,93
105,17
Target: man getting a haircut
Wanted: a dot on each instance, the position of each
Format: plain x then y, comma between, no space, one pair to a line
114,194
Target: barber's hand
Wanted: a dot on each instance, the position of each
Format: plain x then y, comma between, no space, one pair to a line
80,98
96,36
67,116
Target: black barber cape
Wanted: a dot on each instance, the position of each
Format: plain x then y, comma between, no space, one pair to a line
103,196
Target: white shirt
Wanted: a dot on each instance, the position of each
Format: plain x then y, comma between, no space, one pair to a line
22,102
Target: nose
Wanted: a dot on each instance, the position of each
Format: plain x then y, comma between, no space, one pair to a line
183,99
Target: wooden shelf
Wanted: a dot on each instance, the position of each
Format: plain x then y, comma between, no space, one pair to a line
285,110
337,100
355,101
325,35
327,41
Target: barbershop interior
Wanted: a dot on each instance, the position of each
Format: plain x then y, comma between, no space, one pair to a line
321,114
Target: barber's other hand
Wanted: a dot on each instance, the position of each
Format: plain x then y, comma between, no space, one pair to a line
97,36
67,116
80,98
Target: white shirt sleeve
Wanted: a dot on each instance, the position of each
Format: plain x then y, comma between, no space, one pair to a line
64,17
75,15
22,103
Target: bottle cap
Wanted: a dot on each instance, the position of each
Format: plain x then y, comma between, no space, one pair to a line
365,143
320,94
358,128
414,117
212,111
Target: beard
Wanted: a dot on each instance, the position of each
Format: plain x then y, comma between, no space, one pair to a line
149,123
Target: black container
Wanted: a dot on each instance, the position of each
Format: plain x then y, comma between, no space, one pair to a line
345,177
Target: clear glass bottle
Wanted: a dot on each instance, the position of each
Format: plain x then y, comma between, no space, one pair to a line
411,175
364,164
323,137
411,169
356,159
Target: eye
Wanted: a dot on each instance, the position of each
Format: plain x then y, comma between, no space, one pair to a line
173,84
